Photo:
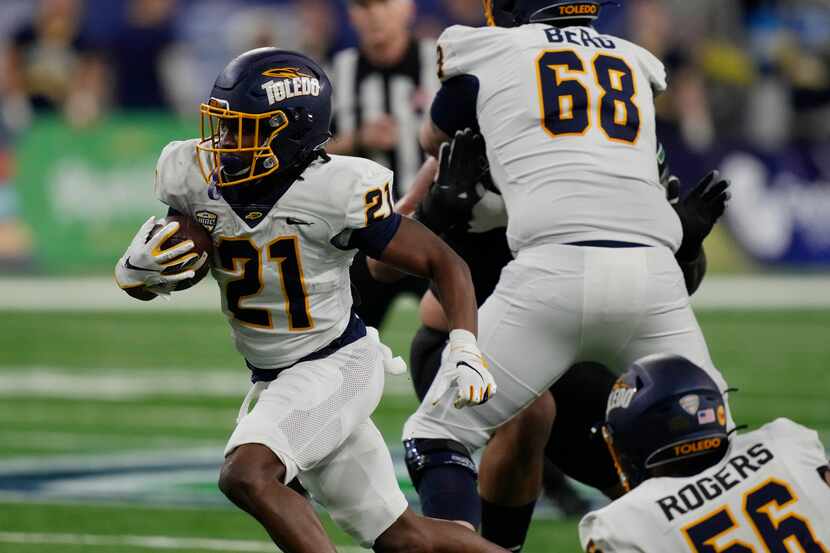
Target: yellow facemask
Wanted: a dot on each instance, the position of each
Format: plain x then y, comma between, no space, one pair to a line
231,137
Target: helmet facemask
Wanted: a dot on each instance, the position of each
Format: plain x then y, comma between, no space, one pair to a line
235,147
627,471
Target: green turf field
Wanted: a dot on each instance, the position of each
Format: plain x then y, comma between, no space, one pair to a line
112,424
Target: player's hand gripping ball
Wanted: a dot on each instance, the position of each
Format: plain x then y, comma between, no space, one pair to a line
197,259
171,254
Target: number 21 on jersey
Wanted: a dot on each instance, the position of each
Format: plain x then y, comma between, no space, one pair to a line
241,256
567,105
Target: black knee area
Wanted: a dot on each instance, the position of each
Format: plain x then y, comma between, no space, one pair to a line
446,479
425,358
581,397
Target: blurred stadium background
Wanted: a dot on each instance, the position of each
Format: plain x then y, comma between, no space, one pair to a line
113,414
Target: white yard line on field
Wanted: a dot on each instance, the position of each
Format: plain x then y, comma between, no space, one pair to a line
151,542
122,384
100,293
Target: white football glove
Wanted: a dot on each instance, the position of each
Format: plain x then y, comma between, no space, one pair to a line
464,369
143,262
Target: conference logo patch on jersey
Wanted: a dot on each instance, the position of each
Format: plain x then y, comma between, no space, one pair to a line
253,216
621,396
690,403
207,219
290,84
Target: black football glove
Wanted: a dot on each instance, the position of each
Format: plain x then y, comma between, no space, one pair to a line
698,211
462,166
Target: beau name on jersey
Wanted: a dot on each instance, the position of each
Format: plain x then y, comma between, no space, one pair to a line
579,37
737,469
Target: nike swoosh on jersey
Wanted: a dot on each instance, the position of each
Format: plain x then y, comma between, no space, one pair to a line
294,221
132,267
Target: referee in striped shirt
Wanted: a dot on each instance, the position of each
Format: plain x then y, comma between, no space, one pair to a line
382,89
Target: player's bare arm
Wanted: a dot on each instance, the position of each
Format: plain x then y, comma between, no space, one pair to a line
420,187
432,137
406,206
416,250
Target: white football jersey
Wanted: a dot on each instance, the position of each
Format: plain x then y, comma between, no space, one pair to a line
765,495
568,116
285,287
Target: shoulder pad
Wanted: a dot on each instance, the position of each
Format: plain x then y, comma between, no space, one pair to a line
655,70
461,49
178,177
368,189
786,429
349,192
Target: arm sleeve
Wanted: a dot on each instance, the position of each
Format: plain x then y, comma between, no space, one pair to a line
454,106
373,239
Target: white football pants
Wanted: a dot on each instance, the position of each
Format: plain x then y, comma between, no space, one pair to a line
556,305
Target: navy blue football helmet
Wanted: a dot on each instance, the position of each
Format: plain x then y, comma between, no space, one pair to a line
664,414
510,13
269,110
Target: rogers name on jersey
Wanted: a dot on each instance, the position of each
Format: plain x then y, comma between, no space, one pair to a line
290,88
735,470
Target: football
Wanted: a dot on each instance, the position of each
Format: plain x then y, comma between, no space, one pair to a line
189,229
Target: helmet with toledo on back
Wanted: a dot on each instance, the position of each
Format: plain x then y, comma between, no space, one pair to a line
510,13
665,416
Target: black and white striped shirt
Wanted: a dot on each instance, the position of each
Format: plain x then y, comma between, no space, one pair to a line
363,91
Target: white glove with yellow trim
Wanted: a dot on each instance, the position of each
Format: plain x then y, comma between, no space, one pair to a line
143,262
464,369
